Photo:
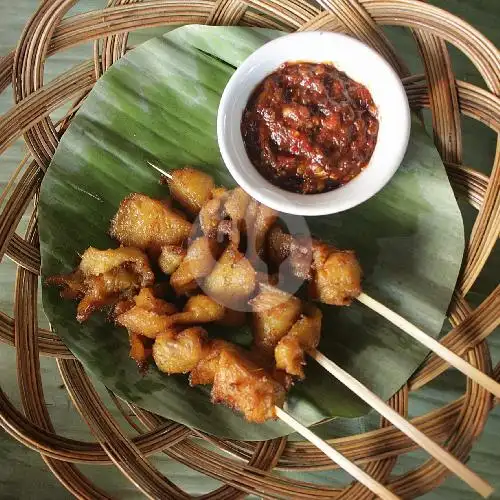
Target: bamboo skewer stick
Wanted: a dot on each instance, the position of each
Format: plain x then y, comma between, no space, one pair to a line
443,352
350,467
434,449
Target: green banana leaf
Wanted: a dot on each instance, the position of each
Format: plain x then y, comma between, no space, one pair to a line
159,104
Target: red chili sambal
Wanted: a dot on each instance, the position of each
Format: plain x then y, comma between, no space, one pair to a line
309,128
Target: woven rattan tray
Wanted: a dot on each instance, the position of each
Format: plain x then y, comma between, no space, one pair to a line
457,424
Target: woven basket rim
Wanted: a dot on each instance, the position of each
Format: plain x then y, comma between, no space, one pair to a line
457,424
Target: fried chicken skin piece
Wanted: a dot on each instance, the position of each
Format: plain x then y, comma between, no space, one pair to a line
334,275
235,207
104,290
170,258
244,386
180,352
148,224
204,372
304,336
149,316
200,259
95,262
199,309
103,277
211,214
141,350
191,188
232,280
274,313
259,220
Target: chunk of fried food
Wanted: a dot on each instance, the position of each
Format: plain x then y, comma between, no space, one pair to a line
180,352
204,372
95,262
149,316
336,275
140,350
259,220
170,258
303,336
103,277
297,252
211,213
191,188
232,280
148,224
245,387
274,313
200,259
235,207
199,309
104,290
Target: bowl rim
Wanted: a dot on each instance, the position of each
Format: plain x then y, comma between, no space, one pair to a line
274,196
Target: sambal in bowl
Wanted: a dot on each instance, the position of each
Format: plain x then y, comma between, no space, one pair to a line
313,123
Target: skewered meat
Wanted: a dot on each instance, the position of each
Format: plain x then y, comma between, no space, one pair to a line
141,349
170,258
191,188
244,386
232,280
274,313
302,337
103,277
199,309
211,213
199,261
335,275
259,219
148,317
180,352
148,224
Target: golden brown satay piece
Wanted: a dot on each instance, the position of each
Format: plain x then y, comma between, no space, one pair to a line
180,352
260,219
191,188
95,262
336,275
103,276
246,387
232,280
274,313
149,316
140,350
104,290
170,258
296,251
199,309
303,336
235,208
200,259
211,213
204,372
148,224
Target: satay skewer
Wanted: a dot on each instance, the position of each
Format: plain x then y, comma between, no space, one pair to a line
356,472
426,443
426,340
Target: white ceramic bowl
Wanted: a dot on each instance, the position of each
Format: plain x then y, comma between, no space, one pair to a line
359,62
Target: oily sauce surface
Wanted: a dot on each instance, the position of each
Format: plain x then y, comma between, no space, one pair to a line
309,128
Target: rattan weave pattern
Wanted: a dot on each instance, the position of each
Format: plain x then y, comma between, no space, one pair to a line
457,424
